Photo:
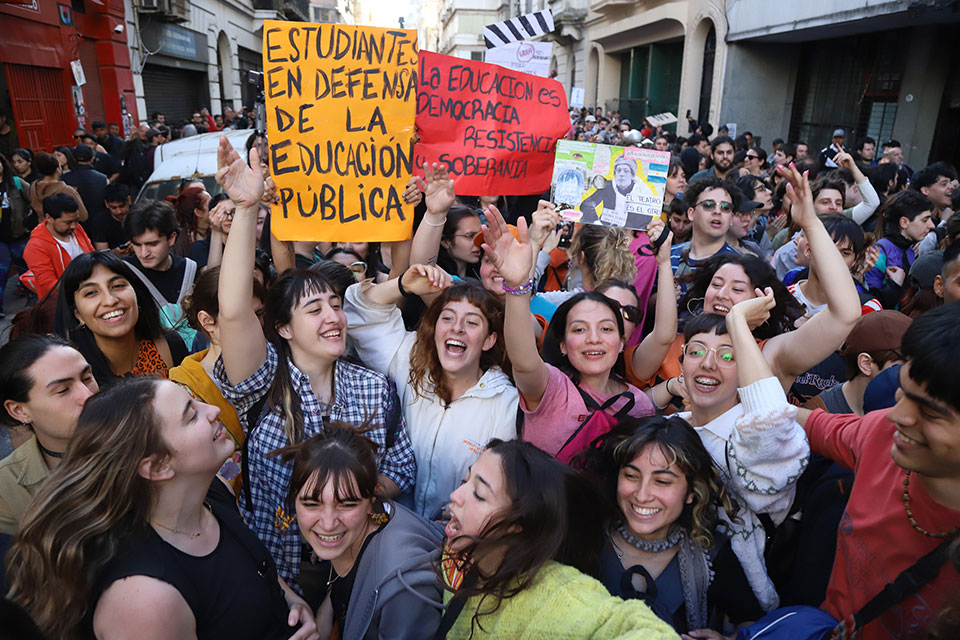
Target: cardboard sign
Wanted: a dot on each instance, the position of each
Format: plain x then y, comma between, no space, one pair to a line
576,97
525,57
613,186
495,129
661,119
340,104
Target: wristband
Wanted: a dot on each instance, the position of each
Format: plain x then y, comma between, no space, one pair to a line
433,224
403,292
523,289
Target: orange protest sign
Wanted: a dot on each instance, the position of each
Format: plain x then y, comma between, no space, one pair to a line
340,104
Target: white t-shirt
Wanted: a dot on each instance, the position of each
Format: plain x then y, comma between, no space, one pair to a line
72,247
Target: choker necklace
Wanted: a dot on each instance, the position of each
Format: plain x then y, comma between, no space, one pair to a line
649,546
906,505
45,451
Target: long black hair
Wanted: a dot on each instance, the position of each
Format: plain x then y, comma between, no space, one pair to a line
553,515
557,330
282,297
148,325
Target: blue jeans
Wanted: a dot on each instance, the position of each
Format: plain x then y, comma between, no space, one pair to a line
9,251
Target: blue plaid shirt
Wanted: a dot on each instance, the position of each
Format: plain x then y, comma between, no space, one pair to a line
358,394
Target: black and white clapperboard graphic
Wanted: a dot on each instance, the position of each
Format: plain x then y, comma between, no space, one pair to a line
523,27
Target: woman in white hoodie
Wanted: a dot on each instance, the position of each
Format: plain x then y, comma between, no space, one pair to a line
451,373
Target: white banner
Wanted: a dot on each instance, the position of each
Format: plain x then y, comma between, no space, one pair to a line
525,57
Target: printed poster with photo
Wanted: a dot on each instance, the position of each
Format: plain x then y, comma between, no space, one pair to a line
612,186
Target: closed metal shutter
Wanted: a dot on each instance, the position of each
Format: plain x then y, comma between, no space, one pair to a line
176,93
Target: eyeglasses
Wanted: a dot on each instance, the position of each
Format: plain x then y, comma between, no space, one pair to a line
469,236
630,313
697,351
358,267
750,157
78,137
711,205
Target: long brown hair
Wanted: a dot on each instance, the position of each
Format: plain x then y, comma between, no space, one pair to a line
426,373
554,515
96,496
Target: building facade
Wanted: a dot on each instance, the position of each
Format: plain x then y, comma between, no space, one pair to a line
189,55
884,69
41,93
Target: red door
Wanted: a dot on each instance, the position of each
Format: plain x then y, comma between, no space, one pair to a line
41,110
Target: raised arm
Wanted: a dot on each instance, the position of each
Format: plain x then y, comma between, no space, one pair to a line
792,354
438,187
245,348
649,355
217,237
768,450
513,259
870,200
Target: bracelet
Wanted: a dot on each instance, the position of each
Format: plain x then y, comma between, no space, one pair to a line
667,388
434,224
522,290
403,292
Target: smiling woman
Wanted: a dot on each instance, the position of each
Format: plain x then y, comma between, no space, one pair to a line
451,374
141,533
106,311
369,566
288,377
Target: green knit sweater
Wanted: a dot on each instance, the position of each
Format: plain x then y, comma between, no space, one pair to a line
563,603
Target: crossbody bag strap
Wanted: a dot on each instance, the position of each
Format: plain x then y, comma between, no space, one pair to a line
593,407
909,582
452,612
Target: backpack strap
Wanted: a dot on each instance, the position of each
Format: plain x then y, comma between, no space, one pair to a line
189,274
909,582
252,418
593,407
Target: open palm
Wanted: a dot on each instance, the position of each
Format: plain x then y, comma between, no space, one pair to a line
438,189
511,256
243,184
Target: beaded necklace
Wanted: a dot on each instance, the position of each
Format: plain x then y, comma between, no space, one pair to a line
906,504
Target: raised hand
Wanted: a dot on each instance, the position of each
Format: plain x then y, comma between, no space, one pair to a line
870,258
800,194
411,193
512,257
654,231
845,160
754,311
437,184
545,221
422,279
243,184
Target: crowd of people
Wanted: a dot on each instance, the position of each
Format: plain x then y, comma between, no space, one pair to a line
741,421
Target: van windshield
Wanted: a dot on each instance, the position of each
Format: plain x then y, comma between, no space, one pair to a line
160,189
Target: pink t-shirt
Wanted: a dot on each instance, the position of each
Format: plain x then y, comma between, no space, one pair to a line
562,410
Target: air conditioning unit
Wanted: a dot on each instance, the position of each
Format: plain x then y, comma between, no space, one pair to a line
149,6
177,10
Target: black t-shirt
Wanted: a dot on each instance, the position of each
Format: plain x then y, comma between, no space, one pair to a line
167,282
103,227
232,591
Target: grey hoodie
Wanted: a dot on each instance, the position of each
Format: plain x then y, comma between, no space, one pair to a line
397,593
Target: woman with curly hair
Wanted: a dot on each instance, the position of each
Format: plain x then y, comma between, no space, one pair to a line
452,373
665,501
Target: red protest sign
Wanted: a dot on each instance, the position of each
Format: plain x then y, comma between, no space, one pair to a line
495,129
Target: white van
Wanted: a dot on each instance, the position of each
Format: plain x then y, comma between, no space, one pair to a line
194,157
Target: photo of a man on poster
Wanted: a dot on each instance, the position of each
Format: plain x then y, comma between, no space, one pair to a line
616,197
